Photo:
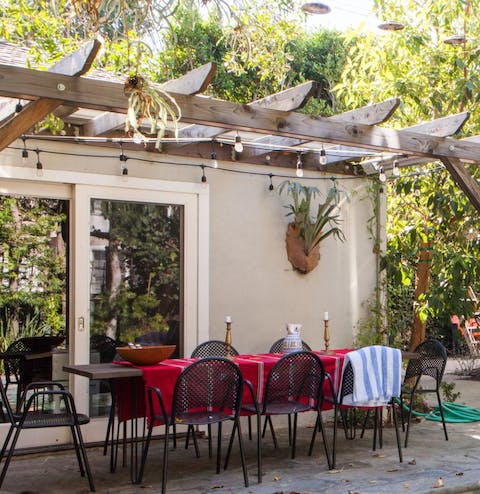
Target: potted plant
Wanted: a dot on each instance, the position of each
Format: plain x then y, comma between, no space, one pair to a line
307,230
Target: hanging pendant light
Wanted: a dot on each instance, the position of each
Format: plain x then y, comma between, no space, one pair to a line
316,8
456,39
391,26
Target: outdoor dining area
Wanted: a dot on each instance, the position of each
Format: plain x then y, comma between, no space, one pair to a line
241,421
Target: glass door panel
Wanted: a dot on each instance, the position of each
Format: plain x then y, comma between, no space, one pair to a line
136,264
33,288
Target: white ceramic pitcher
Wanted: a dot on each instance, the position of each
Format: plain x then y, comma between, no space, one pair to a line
293,341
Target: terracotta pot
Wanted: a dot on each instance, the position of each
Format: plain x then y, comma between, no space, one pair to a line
296,251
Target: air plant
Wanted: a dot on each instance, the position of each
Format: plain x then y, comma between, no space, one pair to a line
146,101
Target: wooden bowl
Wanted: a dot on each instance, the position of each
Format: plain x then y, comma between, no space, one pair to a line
146,355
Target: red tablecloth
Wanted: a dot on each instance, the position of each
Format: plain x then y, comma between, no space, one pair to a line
255,368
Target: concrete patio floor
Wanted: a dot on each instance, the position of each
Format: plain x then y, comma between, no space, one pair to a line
429,461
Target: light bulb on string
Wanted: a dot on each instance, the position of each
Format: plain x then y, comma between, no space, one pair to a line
24,151
238,143
137,137
18,107
123,163
381,175
39,165
204,177
323,156
395,169
214,162
270,187
299,170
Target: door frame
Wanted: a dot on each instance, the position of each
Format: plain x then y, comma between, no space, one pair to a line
79,188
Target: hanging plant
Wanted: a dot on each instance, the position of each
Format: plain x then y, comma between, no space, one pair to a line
146,101
307,230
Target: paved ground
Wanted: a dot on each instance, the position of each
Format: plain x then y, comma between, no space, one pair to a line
430,464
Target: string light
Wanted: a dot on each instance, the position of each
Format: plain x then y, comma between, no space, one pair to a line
395,169
213,156
299,171
102,156
18,107
24,150
323,156
381,175
123,163
204,177
238,146
39,164
270,187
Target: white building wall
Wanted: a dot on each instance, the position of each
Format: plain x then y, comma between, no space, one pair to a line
251,278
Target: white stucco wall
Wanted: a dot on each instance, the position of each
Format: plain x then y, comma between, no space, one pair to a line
250,276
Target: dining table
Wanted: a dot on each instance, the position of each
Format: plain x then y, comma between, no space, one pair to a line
130,383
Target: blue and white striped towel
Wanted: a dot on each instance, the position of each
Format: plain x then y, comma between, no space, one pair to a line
377,375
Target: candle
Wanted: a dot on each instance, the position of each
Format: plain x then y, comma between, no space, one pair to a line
325,316
228,319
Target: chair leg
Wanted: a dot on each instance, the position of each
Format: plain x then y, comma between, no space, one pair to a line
397,434
259,448
110,425
230,445
409,417
294,438
209,427
219,444
242,450
145,452
77,450
441,415
334,447
9,456
320,426
249,427
83,453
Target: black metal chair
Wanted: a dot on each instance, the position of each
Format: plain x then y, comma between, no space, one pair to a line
424,374
294,385
11,367
210,348
213,348
277,347
37,412
345,402
207,392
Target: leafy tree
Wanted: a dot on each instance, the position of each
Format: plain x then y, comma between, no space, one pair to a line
33,261
426,210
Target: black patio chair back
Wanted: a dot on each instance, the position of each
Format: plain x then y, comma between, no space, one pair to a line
207,392
105,346
277,346
424,374
294,385
43,404
11,366
213,348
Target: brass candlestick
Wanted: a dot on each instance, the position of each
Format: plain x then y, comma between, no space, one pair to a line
326,336
228,338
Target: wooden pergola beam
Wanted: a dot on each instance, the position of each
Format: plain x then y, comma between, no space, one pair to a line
75,64
16,82
288,100
464,180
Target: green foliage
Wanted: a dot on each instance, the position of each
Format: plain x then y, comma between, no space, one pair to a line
33,274
432,79
448,392
313,228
